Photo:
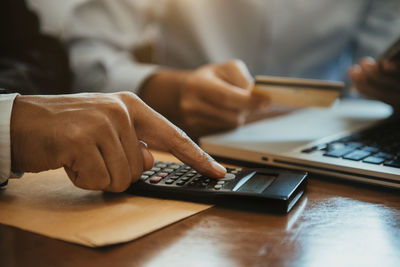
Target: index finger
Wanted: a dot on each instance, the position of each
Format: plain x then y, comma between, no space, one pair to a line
159,133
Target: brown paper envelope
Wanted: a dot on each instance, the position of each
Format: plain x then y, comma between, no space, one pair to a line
49,204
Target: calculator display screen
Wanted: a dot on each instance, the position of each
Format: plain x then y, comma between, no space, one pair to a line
257,183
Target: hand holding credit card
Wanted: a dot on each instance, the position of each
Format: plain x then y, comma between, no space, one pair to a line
296,92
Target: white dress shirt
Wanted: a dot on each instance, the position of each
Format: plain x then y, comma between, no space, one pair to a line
6,103
302,38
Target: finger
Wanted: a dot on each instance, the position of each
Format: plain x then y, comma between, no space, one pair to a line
196,107
88,170
188,152
391,67
235,72
148,159
159,133
368,88
115,158
378,79
225,95
355,72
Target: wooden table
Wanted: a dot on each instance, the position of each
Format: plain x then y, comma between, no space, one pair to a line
336,223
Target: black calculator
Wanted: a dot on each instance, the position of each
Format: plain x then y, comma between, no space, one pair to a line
269,189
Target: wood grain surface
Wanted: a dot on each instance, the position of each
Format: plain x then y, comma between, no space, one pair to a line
336,223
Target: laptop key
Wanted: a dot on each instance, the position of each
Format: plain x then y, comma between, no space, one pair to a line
384,155
392,163
338,153
354,144
357,155
374,160
370,149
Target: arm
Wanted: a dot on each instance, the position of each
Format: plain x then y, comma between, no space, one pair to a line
100,36
95,137
379,28
378,80
209,99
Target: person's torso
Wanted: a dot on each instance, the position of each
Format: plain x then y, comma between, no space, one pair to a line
304,38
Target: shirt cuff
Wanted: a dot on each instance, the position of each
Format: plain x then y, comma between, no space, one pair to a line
129,76
6,104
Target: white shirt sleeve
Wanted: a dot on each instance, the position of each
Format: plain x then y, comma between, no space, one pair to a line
101,67
6,104
100,36
380,27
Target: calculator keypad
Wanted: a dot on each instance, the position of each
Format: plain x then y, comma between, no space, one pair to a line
179,174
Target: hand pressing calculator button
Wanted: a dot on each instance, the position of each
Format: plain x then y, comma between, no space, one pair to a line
275,189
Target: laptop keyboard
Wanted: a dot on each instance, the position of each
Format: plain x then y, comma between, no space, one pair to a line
379,145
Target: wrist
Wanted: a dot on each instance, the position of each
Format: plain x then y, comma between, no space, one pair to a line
162,91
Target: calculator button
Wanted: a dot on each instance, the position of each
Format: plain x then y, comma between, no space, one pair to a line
169,181
161,165
155,179
229,176
162,174
156,169
148,173
180,183
192,183
174,177
179,173
204,185
221,182
185,179
218,187
174,166
168,170
190,174
144,177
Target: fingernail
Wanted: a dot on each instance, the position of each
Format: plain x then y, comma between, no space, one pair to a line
369,60
356,69
368,64
218,168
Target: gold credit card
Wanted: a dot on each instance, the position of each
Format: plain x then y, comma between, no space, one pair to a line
296,92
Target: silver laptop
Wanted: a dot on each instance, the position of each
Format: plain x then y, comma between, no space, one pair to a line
335,142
